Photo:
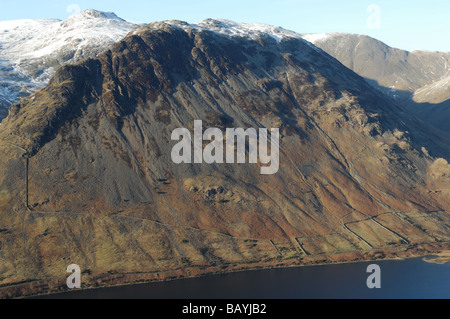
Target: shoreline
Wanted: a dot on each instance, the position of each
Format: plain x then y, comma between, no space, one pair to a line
440,258
216,274
55,287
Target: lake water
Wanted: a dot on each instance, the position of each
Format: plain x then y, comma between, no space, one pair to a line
409,279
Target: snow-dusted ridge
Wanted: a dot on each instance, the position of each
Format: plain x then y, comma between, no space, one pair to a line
233,29
32,50
250,30
24,40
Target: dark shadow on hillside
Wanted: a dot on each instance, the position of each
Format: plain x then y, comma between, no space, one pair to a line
432,119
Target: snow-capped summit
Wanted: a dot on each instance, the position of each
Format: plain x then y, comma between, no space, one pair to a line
93,17
94,14
32,50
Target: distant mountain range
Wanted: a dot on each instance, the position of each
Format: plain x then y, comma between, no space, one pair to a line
418,80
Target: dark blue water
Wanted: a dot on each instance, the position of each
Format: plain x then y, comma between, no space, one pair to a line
408,279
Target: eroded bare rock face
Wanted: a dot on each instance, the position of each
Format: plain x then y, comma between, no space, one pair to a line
355,175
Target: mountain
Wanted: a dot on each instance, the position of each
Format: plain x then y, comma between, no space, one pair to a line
435,93
32,50
88,176
431,103
415,79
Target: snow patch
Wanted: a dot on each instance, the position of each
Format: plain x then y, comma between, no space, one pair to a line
316,37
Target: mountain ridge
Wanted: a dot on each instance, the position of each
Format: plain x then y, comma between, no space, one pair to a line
392,77
413,79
